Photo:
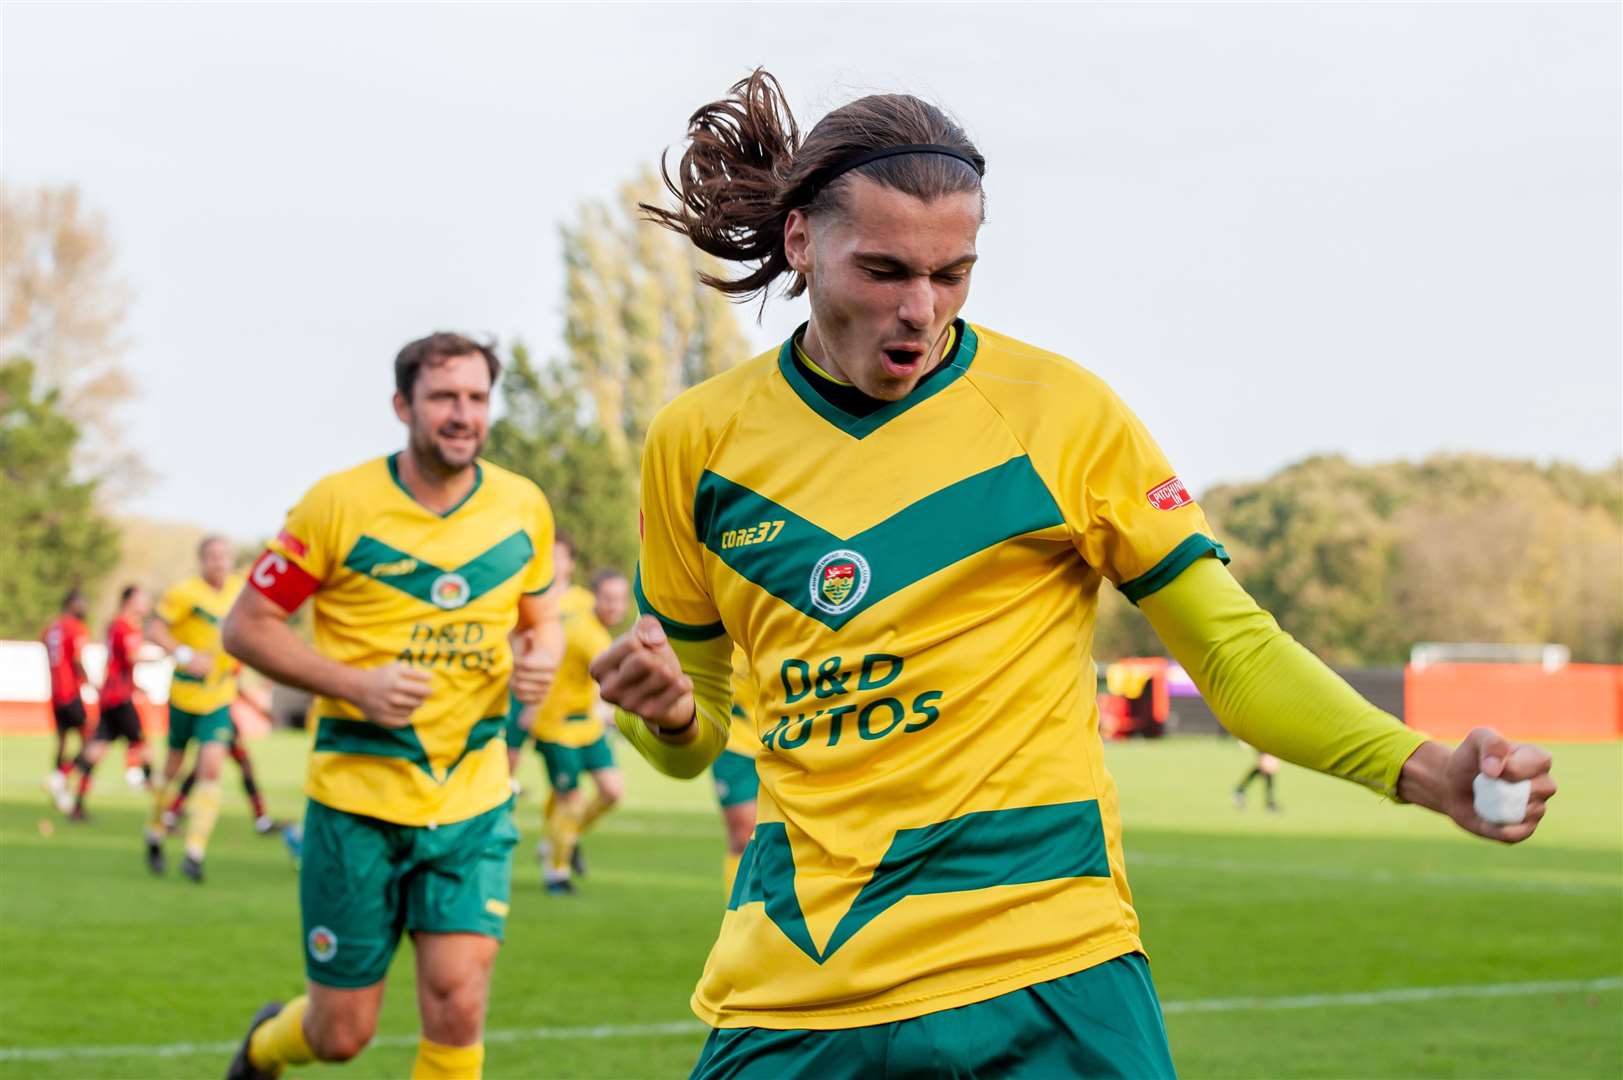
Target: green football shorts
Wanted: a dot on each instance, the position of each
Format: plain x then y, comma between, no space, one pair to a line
565,763
209,727
735,778
363,882
1102,1022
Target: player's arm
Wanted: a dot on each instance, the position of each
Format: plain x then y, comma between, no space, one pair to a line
1273,693
669,674
256,632
538,647
186,658
674,696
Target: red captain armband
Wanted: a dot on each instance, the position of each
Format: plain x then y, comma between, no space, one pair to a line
286,583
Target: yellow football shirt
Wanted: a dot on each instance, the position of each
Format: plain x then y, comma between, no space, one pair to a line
915,593
741,736
576,600
399,582
192,610
572,713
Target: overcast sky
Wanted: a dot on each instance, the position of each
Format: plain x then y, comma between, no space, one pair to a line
1277,230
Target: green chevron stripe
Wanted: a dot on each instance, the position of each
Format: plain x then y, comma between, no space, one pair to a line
977,851
940,529
484,572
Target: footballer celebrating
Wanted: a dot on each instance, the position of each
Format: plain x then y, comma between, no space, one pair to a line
428,573
904,519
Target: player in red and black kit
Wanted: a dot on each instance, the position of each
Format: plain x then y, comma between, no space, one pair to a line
64,641
119,718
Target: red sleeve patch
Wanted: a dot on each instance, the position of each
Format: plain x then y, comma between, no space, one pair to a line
1169,495
292,543
287,584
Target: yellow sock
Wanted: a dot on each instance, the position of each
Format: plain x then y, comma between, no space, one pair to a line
596,809
563,827
729,873
160,802
438,1062
205,811
280,1040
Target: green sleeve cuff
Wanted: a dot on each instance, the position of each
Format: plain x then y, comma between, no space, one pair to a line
679,631
1176,562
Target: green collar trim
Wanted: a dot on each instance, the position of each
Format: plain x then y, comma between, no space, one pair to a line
859,427
394,474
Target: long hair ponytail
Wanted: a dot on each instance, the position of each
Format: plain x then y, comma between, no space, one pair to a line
746,167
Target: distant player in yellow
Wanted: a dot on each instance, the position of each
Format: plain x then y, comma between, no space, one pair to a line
904,519
430,572
733,774
187,624
570,737
572,600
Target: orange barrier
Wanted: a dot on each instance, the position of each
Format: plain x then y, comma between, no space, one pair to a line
1579,702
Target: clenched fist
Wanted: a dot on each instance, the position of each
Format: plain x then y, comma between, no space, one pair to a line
534,668
641,674
391,693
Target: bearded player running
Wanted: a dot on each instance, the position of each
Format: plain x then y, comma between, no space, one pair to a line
904,520
422,567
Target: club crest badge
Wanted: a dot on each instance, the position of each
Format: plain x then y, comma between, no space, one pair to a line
323,944
839,581
449,591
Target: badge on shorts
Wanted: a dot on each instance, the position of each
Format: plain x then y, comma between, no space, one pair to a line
323,944
839,581
449,591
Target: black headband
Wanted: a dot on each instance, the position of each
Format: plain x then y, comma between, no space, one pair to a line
822,177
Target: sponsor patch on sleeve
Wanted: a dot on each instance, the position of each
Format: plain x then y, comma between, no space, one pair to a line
292,543
1169,495
287,584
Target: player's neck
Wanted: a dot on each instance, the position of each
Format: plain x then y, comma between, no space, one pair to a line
439,492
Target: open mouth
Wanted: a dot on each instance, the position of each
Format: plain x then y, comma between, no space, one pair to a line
903,361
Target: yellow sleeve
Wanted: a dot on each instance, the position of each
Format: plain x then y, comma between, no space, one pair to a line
308,540
174,606
538,577
670,583
709,664
1269,690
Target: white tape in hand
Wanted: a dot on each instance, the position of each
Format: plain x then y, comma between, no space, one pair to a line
1500,802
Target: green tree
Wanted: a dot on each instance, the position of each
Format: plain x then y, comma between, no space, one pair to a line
548,434
638,329
53,538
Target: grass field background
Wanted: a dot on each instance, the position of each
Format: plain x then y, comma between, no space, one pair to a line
1261,930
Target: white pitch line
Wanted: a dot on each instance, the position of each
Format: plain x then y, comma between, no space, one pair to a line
1396,996
600,1032
1531,880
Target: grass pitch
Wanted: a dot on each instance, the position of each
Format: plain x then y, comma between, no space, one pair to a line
1342,938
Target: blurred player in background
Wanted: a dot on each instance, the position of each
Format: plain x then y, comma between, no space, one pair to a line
1266,767
187,626
733,774
904,520
117,717
65,640
430,573
264,824
572,600
570,736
